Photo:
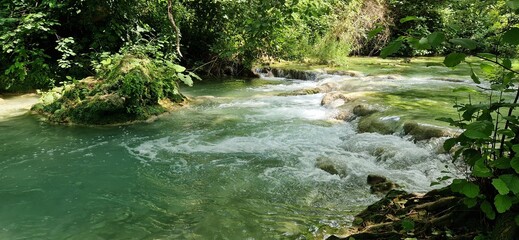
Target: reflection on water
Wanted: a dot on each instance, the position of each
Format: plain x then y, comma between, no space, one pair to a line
240,165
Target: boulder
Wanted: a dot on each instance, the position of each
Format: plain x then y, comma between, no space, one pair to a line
334,99
344,115
328,87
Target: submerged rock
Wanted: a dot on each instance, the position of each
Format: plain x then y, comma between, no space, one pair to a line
345,73
424,132
364,110
328,165
382,125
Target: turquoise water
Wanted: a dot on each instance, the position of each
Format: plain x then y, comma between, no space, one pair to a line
238,165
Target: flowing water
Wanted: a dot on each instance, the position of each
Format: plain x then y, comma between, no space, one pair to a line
238,165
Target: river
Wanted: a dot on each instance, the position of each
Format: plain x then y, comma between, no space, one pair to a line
238,165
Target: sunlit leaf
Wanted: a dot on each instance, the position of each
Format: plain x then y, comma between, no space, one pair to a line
410,18
186,79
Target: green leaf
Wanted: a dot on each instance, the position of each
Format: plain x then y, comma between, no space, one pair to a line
474,134
501,163
500,186
422,44
487,55
374,32
487,208
515,148
502,203
454,59
470,202
515,163
408,225
511,36
470,190
193,75
457,185
516,220
507,132
486,127
474,77
512,182
481,170
186,79
410,18
435,39
514,4
391,48
449,144
106,62
177,68
487,68
507,63
465,43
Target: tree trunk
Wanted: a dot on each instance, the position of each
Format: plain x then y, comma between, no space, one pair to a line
172,21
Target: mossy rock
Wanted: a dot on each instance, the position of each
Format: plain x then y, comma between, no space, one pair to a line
131,89
382,125
364,110
330,166
424,132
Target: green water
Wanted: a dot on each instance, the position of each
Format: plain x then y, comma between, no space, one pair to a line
239,165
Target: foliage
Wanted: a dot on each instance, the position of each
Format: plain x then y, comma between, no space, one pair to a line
47,41
127,87
489,144
23,60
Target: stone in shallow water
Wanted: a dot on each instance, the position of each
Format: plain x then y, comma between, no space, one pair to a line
380,184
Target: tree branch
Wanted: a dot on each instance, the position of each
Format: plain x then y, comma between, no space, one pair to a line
172,21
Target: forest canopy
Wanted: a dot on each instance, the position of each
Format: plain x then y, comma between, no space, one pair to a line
46,42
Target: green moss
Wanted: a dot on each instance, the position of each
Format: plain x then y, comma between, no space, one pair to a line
430,66
129,90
